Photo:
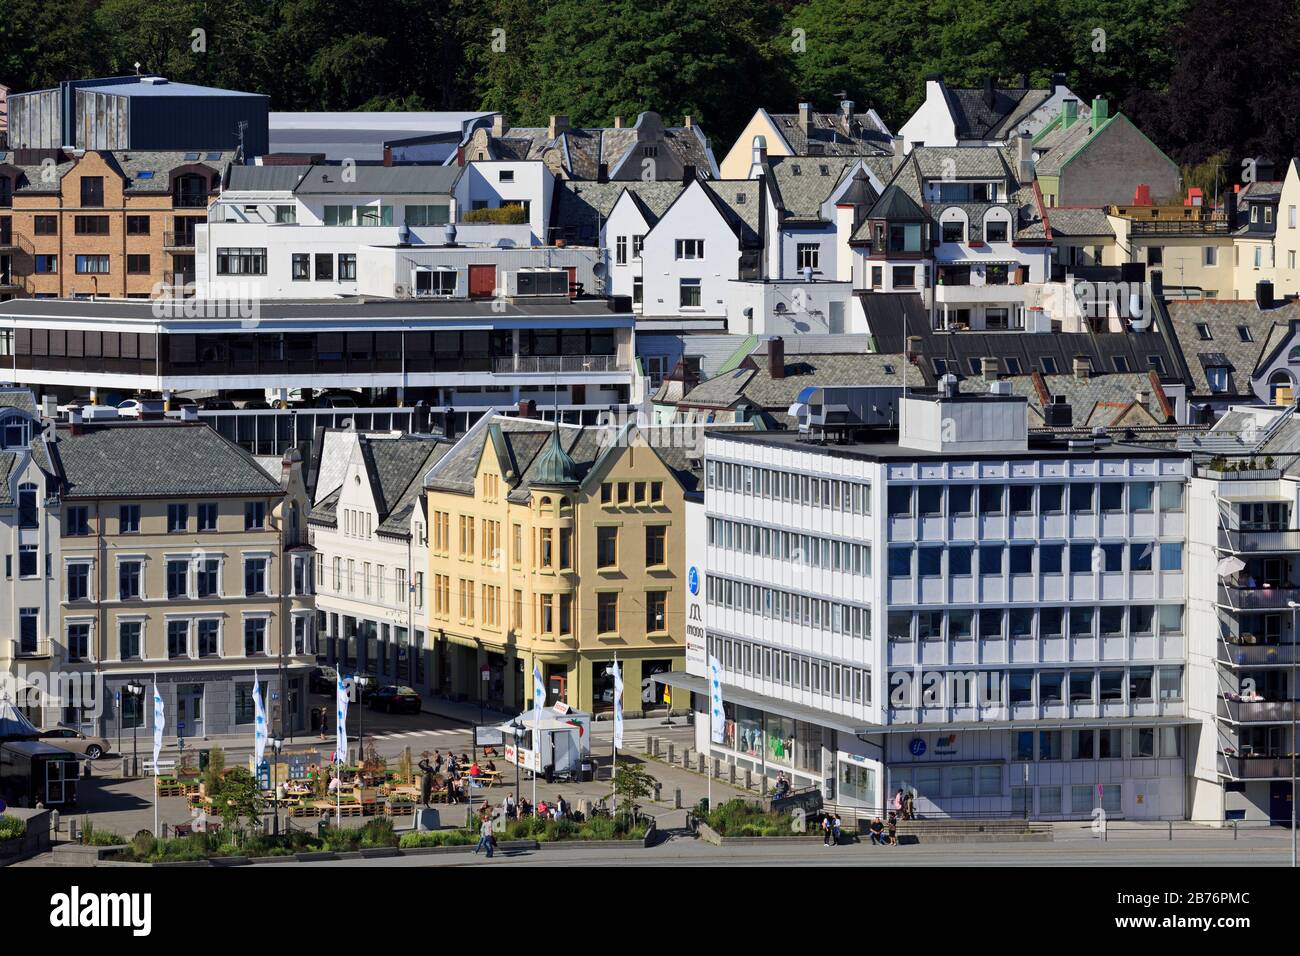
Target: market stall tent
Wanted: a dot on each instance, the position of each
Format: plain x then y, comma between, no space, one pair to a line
563,740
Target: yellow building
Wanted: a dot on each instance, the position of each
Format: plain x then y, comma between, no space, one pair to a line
1189,246
560,547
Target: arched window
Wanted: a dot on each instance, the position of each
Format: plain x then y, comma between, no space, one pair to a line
1293,357
1281,388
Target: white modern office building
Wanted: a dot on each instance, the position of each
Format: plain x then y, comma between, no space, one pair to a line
991,620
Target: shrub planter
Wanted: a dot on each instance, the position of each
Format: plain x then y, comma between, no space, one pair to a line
1253,474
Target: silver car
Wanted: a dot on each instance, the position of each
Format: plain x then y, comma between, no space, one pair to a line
65,738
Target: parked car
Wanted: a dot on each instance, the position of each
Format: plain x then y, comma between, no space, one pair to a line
322,680
141,408
256,405
394,699
336,401
65,738
217,405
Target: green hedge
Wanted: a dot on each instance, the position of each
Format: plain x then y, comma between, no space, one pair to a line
412,841
501,216
739,817
12,827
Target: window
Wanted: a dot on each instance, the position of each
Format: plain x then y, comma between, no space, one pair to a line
137,225
90,225
324,267
254,636
995,230
92,190
638,290
46,225
92,265
137,265
1203,332
1211,256
46,264
128,580
689,249
689,294
78,581
347,267
178,518
900,501
505,176
254,515
254,576
78,642
1217,378
208,516
807,255
954,230
607,547
656,611
242,261
1049,365
78,522
301,267
656,552
620,251
27,561
1081,687
178,578
128,640
606,612
1049,746
435,215
903,277
178,639
207,577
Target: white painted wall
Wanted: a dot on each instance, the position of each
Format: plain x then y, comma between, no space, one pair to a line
692,216
490,183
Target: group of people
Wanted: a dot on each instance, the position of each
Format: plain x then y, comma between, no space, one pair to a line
884,834
904,805
831,830
559,809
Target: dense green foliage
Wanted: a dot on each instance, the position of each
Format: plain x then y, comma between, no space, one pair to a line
11,827
1203,77
740,818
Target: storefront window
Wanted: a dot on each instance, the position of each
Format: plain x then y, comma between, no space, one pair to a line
857,783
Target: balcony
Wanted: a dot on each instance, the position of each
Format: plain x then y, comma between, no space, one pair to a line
1179,227
1256,655
29,650
551,364
1258,599
1259,542
1256,768
1257,711
179,241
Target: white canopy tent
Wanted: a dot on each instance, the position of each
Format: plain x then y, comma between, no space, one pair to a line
564,739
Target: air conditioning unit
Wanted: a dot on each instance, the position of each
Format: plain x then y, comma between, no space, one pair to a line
401,292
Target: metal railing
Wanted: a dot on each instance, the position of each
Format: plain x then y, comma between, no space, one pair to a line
1257,768
1257,599
1178,227
39,648
546,364
1249,542
1257,711
1246,654
178,240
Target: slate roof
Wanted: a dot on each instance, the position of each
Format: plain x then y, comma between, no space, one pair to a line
1079,221
894,317
803,183
32,178
1225,346
394,465
834,134
8,462
11,397
742,214
582,206
753,383
322,179
975,118
1096,400
156,459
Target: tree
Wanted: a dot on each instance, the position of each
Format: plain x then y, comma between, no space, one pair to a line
631,783
238,798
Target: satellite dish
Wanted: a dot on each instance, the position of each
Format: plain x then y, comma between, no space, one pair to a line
598,269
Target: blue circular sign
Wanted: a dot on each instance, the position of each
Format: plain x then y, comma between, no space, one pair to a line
917,746
693,580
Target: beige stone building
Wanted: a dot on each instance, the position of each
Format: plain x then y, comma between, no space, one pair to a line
561,547
182,562
108,223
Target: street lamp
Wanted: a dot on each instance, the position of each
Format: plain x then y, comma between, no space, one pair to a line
136,690
277,788
1293,605
517,725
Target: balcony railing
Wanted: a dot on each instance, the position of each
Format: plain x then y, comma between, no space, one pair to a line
38,648
1257,711
1256,768
1258,599
1178,227
178,240
547,364
1248,655
1259,542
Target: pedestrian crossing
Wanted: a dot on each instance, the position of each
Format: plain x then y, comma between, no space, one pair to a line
416,734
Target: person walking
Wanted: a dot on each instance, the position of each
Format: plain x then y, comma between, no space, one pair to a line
892,838
835,829
485,837
898,801
909,807
826,831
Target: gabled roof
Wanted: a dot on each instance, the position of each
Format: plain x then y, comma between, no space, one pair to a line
895,204
394,466
834,134
156,459
1224,348
976,118
801,184
584,206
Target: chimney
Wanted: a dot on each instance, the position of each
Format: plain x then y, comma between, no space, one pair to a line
1100,111
805,118
189,413
499,126
990,97
1024,81
1264,294
1230,208
846,110
1025,157
76,426
900,150
989,368
388,155
449,422
49,407
1069,112
1263,169
1082,367
1058,81
1142,195
688,173
527,408
618,122
688,121
776,357
1142,397
557,126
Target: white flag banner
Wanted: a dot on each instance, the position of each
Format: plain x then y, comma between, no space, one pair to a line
341,720
259,726
159,721
539,688
618,707
717,720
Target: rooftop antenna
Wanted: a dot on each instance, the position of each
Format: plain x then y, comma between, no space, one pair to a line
137,67
239,131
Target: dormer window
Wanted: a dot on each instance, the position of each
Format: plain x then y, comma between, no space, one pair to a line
14,432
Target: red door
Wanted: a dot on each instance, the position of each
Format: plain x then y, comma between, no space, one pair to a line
573,280
482,281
